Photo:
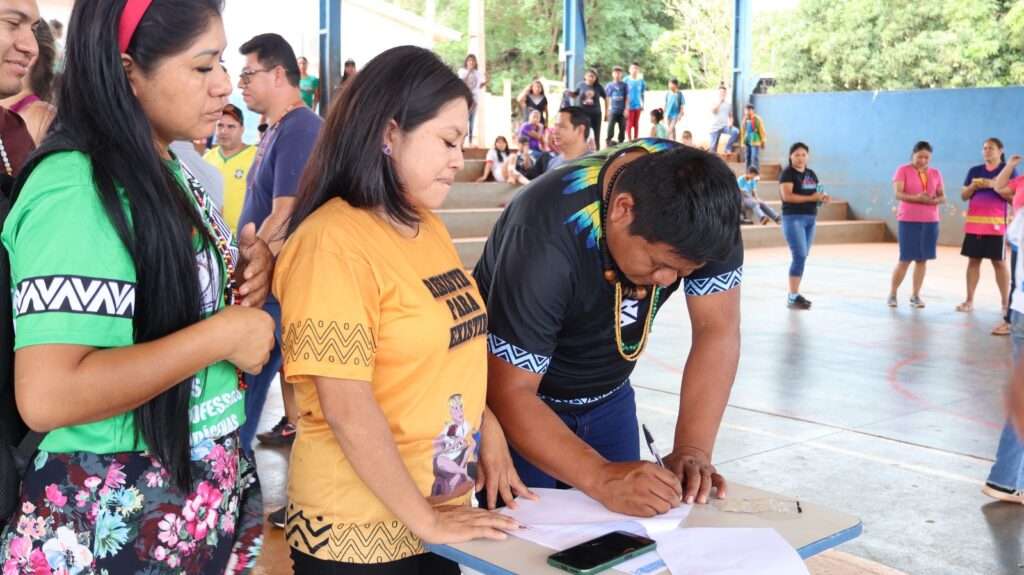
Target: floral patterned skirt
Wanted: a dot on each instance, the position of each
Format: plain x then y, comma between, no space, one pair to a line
83,513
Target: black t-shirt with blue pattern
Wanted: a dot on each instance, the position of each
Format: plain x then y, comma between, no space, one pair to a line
542,278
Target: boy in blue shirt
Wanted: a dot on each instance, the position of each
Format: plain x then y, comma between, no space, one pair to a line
618,95
748,189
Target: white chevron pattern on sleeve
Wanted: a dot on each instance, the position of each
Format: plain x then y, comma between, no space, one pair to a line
713,285
518,357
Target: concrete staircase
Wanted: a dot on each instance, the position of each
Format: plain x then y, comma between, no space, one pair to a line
472,209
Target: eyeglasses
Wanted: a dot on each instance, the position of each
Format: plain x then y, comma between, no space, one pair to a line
246,76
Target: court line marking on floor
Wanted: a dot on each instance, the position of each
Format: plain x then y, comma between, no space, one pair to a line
815,443
891,376
856,430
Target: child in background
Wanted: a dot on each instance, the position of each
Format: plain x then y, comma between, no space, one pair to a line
687,138
635,102
657,128
748,193
674,102
617,92
752,135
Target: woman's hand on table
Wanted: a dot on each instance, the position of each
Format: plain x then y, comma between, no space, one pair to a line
461,523
495,473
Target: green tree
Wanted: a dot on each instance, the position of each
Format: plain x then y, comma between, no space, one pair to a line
697,46
523,36
838,45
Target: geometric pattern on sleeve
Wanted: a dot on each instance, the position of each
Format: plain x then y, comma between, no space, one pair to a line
518,357
713,285
75,294
345,343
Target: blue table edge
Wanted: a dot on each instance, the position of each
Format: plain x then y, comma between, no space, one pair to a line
805,552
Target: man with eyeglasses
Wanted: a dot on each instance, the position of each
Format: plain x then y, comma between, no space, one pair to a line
270,87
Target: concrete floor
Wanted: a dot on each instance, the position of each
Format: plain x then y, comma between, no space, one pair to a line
889,414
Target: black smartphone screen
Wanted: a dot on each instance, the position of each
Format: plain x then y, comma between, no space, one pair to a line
605,548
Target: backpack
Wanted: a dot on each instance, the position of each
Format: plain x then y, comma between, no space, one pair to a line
17,443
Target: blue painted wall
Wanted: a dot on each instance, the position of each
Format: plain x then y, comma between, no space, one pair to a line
858,139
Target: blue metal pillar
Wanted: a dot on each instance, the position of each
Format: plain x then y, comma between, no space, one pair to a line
330,51
742,74
574,36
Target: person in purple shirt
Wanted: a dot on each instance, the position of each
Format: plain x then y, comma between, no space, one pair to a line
533,130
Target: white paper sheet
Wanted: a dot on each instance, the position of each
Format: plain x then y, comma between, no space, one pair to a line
731,551
571,507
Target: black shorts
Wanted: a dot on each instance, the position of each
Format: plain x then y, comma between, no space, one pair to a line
984,247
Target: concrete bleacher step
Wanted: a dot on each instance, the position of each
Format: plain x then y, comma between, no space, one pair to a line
465,195
768,190
471,170
474,153
769,172
755,236
469,250
729,157
826,232
469,222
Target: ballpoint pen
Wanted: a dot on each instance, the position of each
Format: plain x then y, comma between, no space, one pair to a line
651,446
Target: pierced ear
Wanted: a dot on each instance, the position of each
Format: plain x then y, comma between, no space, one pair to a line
392,136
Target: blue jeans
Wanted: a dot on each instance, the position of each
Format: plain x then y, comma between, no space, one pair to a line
1008,470
257,386
734,134
799,233
610,428
760,209
753,157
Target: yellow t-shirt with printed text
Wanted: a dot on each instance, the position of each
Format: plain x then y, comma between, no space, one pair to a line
235,169
361,302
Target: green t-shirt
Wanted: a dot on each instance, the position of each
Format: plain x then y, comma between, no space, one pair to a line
75,284
307,86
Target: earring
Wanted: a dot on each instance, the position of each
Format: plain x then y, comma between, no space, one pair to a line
386,149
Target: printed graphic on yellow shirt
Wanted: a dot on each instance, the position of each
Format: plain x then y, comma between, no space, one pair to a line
454,472
460,305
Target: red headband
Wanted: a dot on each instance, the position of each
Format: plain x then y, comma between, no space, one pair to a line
132,14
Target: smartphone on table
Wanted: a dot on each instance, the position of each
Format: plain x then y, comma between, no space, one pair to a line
601,553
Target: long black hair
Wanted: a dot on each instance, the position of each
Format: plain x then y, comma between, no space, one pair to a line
999,144
794,148
42,75
98,115
406,84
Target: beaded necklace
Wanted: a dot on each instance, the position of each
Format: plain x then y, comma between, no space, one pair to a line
219,231
7,162
629,352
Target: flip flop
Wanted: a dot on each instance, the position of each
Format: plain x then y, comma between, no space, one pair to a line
1001,329
965,307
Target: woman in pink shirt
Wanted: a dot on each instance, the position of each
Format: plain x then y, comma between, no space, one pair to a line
919,189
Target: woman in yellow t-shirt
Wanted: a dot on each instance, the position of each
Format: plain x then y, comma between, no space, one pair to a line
385,334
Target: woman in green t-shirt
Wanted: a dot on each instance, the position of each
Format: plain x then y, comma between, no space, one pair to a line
309,86
128,350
